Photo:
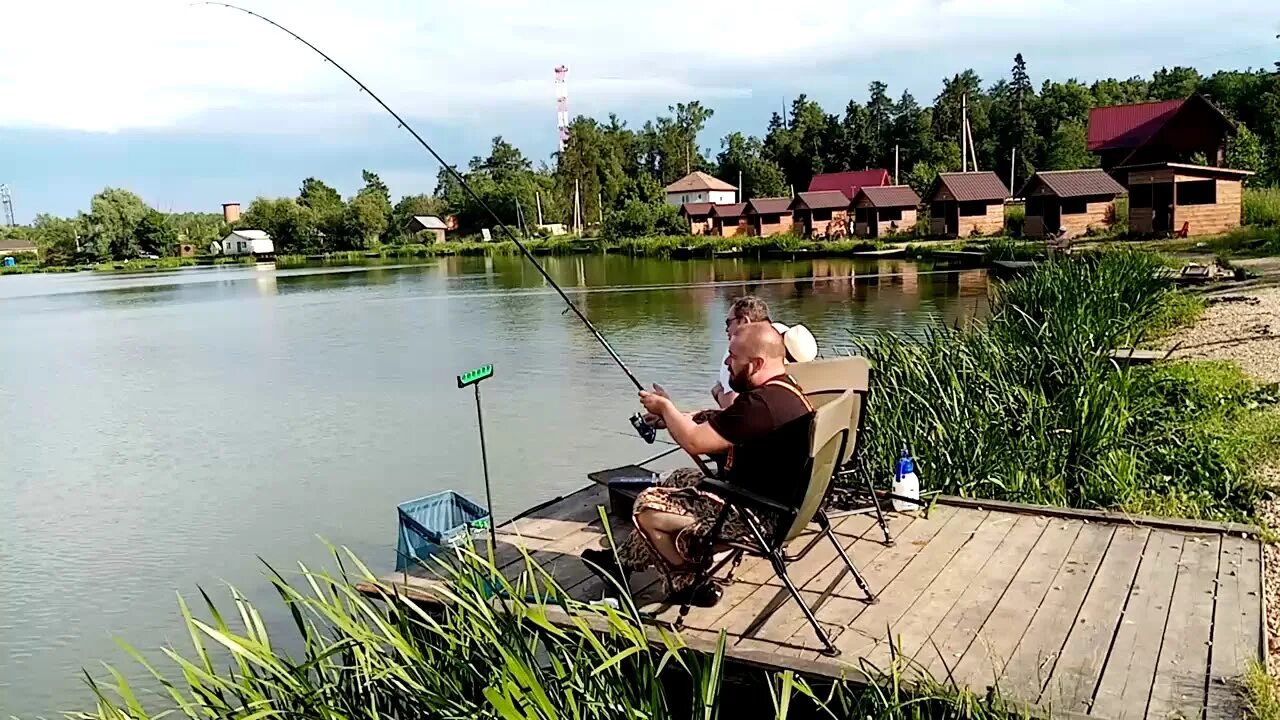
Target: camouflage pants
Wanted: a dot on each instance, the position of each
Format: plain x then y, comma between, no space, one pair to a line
675,494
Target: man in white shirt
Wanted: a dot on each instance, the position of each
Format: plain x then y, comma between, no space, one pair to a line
748,309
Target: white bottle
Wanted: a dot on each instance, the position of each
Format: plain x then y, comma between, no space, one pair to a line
906,484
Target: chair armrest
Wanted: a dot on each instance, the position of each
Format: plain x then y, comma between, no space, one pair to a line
740,496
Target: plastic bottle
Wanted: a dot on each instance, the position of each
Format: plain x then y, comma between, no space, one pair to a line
905,483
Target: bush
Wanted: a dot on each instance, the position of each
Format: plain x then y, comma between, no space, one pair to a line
635,219
1261,207
1015,217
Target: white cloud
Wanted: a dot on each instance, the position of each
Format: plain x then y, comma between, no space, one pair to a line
89,65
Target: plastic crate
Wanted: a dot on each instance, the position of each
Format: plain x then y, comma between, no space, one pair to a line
429,524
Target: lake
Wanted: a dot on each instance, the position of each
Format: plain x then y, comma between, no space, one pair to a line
161,431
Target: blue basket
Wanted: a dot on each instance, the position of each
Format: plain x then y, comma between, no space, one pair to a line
434,522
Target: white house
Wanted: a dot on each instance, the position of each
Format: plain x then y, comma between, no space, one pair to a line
699,187
243,242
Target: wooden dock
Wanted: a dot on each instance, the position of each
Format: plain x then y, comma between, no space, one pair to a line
1072,612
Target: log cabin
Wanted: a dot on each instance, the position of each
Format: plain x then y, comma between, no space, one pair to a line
849,182
884,210
1072,201
769,216
1171,197
822,214
728,220
699,217
966,203
1167,131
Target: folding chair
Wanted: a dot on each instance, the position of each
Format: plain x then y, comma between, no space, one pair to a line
824,380
828,435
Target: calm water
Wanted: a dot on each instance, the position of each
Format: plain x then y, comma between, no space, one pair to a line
159,431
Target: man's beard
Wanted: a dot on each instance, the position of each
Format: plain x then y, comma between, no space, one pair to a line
739,382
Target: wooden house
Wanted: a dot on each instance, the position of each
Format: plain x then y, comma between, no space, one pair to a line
966,203
849,182
699,217
699,187
884,210
728,220
769,216
1168,131
1069,200
426,228
1170,197
822,214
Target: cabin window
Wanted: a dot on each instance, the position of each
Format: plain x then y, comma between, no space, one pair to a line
821,215
972,209
861,215
771,219
1074,206
890,214
1140,196
1200,192
1035,205
937,209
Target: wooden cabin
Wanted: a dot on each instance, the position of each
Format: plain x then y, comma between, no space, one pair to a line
822,214
1153,132
884,210
1169,197
1073,201
728,220
849,182
699,217
967,203
769,216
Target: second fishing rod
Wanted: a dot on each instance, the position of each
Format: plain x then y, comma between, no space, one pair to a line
646,431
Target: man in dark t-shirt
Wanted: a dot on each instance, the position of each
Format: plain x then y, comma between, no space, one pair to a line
761,442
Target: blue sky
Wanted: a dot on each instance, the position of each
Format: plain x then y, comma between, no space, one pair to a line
194,106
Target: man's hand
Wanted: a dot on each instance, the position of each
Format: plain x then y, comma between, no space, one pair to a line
716,391
655,421
659,390
655,403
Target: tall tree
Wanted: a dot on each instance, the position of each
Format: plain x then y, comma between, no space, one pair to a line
291,226
58,240
879,127
326,206
1244,152
760,177
1174,83
112,224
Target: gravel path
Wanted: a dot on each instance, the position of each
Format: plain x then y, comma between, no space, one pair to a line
1244,326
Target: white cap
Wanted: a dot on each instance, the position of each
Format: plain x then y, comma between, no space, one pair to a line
800,343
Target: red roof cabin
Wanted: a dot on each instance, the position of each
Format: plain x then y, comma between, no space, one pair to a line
822,213
728,220
849,182
884,210
1153,132
769,216
699,217
967,203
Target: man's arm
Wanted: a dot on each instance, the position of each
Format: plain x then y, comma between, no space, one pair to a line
694,437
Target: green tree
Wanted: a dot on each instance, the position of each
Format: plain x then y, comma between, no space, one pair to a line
291,226
745,155
112,224
155,236
1174,83
1244,152
58,240
1120,92
326,206
410,206
879,128
1067,148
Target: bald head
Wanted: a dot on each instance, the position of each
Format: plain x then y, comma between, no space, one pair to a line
756,354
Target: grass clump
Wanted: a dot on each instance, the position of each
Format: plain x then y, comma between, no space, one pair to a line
1262,693
1028,407
362,658
1261,207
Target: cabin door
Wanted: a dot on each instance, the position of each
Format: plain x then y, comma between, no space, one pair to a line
873,222
1052,215
953,218
1161,207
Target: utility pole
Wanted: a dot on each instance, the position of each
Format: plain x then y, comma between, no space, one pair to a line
577,207
538,198
964,133
895,164
1013,155
741,196
601,200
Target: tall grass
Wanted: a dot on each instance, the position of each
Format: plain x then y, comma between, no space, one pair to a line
1028,407
1261,207
482,658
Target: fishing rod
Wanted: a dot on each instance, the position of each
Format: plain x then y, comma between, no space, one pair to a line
648,432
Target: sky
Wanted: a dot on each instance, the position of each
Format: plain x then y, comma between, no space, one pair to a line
194,105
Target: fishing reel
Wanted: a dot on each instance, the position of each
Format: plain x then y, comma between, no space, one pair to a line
647,431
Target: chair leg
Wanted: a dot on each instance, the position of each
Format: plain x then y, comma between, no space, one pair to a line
780,569
825,524
875,500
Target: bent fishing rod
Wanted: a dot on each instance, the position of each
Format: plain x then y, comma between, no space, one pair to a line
646,431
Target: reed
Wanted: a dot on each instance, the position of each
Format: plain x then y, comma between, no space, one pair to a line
1261,207
478,658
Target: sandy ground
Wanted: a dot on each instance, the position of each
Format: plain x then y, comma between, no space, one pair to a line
1243,325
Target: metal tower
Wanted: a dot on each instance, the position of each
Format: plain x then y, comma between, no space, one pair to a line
7,201
562,104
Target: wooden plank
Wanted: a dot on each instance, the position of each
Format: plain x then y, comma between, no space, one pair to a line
849,530
549,524
1167,523
1182,672
1074,675
1127,677
1237,625
913,629
870,626
1003,630
951,638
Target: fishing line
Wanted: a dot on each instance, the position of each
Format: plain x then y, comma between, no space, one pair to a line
456,176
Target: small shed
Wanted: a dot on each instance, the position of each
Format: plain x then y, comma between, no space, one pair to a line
967,203
728,220
186,249
244,242
822,214
769,216
699,217
884,210
1173,197
1072,201
429,224
850,181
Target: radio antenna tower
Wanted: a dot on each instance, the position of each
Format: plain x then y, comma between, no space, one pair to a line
7,201
562,104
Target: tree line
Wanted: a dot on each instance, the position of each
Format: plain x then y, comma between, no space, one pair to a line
617,173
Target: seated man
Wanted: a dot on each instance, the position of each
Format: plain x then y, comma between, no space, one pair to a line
746,309
763,437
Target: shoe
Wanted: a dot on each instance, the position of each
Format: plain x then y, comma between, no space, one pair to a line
606,567
706,594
